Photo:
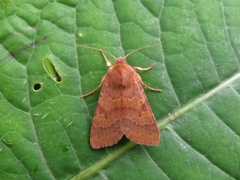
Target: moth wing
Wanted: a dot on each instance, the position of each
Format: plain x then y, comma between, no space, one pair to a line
138,122
105,130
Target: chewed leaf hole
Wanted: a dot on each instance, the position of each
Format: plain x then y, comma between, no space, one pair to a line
37,86
51,70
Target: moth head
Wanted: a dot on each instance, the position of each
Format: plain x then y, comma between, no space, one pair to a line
121,60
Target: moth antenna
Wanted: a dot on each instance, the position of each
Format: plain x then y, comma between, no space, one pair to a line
96,49
141,49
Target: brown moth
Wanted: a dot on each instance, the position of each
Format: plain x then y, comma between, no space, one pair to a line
123,108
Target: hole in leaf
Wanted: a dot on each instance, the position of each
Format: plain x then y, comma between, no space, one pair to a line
51,70
37,86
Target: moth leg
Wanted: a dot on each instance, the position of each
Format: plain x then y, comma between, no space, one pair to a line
107,61
91,92
153,89
145,69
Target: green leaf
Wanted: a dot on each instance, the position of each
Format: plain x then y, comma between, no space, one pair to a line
44,123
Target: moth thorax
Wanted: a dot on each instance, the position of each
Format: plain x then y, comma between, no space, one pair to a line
121,60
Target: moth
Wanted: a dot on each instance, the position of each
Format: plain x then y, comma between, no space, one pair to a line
122,108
